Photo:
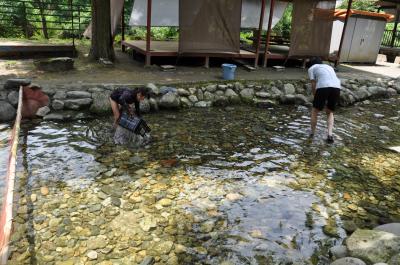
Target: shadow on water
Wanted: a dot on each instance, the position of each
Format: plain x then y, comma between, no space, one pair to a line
231,186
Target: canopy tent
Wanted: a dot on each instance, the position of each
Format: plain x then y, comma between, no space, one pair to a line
166,13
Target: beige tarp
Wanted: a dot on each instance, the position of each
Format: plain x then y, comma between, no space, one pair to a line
209,26
116,12
312,25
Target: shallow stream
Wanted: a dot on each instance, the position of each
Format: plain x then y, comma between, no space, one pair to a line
221,186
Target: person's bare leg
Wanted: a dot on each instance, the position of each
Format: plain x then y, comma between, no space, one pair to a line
314,120
330,121
115,110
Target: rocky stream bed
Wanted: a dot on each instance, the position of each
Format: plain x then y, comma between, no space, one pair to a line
223,185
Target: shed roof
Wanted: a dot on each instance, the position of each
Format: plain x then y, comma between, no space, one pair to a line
341,14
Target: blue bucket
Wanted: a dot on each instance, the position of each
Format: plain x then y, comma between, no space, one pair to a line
228,71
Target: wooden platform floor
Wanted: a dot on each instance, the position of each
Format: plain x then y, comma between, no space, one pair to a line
170,48
28,49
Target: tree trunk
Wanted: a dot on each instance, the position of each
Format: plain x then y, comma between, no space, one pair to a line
102,44
44,22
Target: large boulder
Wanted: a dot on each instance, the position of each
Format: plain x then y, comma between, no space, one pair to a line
170,101
100,104
55,64
78,94
13,98
361,93
232,96
57,104
15,83
76,104
373,246
183,92
393,228
153,89
289,89
7,111
348,261
247,95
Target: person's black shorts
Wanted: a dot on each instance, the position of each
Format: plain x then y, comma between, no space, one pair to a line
326,96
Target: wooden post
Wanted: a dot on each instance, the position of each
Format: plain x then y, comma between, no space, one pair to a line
259,32
271,14
344,32
123,28
396,22
6,219
148,35
72,26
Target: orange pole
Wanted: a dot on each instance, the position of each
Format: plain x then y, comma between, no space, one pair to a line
271,14
259,32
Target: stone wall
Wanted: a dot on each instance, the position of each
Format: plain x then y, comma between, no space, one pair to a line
80,101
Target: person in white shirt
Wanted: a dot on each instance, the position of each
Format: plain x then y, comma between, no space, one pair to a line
326,90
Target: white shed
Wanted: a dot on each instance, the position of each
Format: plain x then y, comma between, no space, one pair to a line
362,38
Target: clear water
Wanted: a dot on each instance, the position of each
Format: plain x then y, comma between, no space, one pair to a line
218,186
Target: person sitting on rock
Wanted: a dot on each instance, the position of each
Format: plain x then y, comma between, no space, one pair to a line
326,90
121,100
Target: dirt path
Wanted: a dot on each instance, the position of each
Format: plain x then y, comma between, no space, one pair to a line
129,71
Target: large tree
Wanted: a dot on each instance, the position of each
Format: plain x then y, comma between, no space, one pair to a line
102,42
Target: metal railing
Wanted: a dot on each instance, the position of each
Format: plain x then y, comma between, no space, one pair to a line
387,39
49,19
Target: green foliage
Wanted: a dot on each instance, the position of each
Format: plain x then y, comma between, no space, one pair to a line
284,26
366,5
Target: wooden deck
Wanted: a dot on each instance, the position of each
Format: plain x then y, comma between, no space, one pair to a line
170,49
22,49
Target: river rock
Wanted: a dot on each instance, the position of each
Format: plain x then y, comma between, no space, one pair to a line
395,260
153,89
348,261
148,261
153,104
203,104
78,94
200,95
377,91
55,64
57,117
186,102
100,104
393,228
13,98
247,95
97,242
147,223
15,83
183,92
165,90
43,111
211,88
60,95
7,111
263,94
44,191
163,248
275,92
208,96
289,89
92,255
77,104
338,252
361,93
193,98
373,246
232,96
170,101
